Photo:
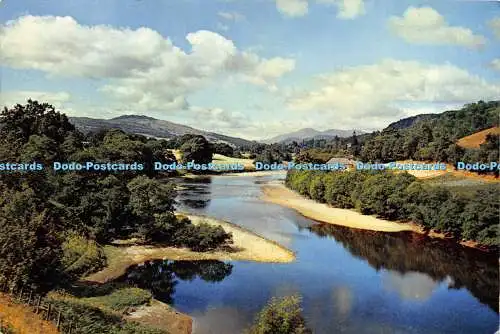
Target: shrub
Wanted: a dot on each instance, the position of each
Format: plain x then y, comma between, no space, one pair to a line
317,188
205,237
280,316
81,256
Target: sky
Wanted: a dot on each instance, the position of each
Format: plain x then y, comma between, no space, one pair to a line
251,68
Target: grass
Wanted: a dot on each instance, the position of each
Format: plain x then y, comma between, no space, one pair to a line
458,183
101,314
122,299
476,139
21,319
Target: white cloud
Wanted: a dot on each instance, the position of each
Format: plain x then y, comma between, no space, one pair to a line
231,16
424,25
495,26
375,92
495,64
57,99
347,9
293,8
140,67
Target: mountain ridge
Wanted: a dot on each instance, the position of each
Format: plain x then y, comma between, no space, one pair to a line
151,127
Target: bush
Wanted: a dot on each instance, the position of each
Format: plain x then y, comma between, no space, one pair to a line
81,257
280,316
205,237
317,188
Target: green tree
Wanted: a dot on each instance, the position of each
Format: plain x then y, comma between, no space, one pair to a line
149,197
197,149
280,316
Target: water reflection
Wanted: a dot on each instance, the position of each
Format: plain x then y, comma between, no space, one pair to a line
161,276
410,286
415,263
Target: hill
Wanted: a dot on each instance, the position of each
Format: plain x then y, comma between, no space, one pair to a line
435,139
309,133
478,138
410,121
151,127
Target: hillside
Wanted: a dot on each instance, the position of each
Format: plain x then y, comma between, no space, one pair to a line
409,121
309,133
478,138
435,139
151,127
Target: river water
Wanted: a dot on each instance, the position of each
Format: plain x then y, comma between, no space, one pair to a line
350,281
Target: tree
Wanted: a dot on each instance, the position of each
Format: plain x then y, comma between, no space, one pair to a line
197,149
30,250
149,197
280,316
224,149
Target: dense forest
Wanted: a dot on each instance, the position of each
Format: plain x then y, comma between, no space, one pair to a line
400,196
48,220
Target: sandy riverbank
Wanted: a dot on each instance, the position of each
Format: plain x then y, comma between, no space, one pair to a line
279,194
247,246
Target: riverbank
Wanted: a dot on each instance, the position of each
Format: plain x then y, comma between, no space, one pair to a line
278,193
247,246
161,315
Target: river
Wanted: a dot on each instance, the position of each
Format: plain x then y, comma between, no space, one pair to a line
350,281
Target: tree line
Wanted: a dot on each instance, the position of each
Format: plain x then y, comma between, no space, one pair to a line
399,196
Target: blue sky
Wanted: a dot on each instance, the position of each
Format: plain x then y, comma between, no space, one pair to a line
251,68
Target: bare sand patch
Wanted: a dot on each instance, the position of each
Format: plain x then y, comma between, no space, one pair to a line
247,246
279,194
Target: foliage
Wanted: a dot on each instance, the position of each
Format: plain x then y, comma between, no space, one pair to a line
30,251
204,237
471,215
38,208
81,256
433,138
280,316
272,155
224,149
197,149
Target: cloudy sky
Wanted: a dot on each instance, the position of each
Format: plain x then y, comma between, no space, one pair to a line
251,68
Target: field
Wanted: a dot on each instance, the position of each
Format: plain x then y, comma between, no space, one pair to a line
476,139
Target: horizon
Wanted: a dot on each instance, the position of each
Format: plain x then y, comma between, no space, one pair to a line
230,69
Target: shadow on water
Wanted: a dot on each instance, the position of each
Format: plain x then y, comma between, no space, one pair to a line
161,276
405,252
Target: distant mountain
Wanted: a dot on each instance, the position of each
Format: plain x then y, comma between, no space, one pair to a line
409,121
150,127
309,133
